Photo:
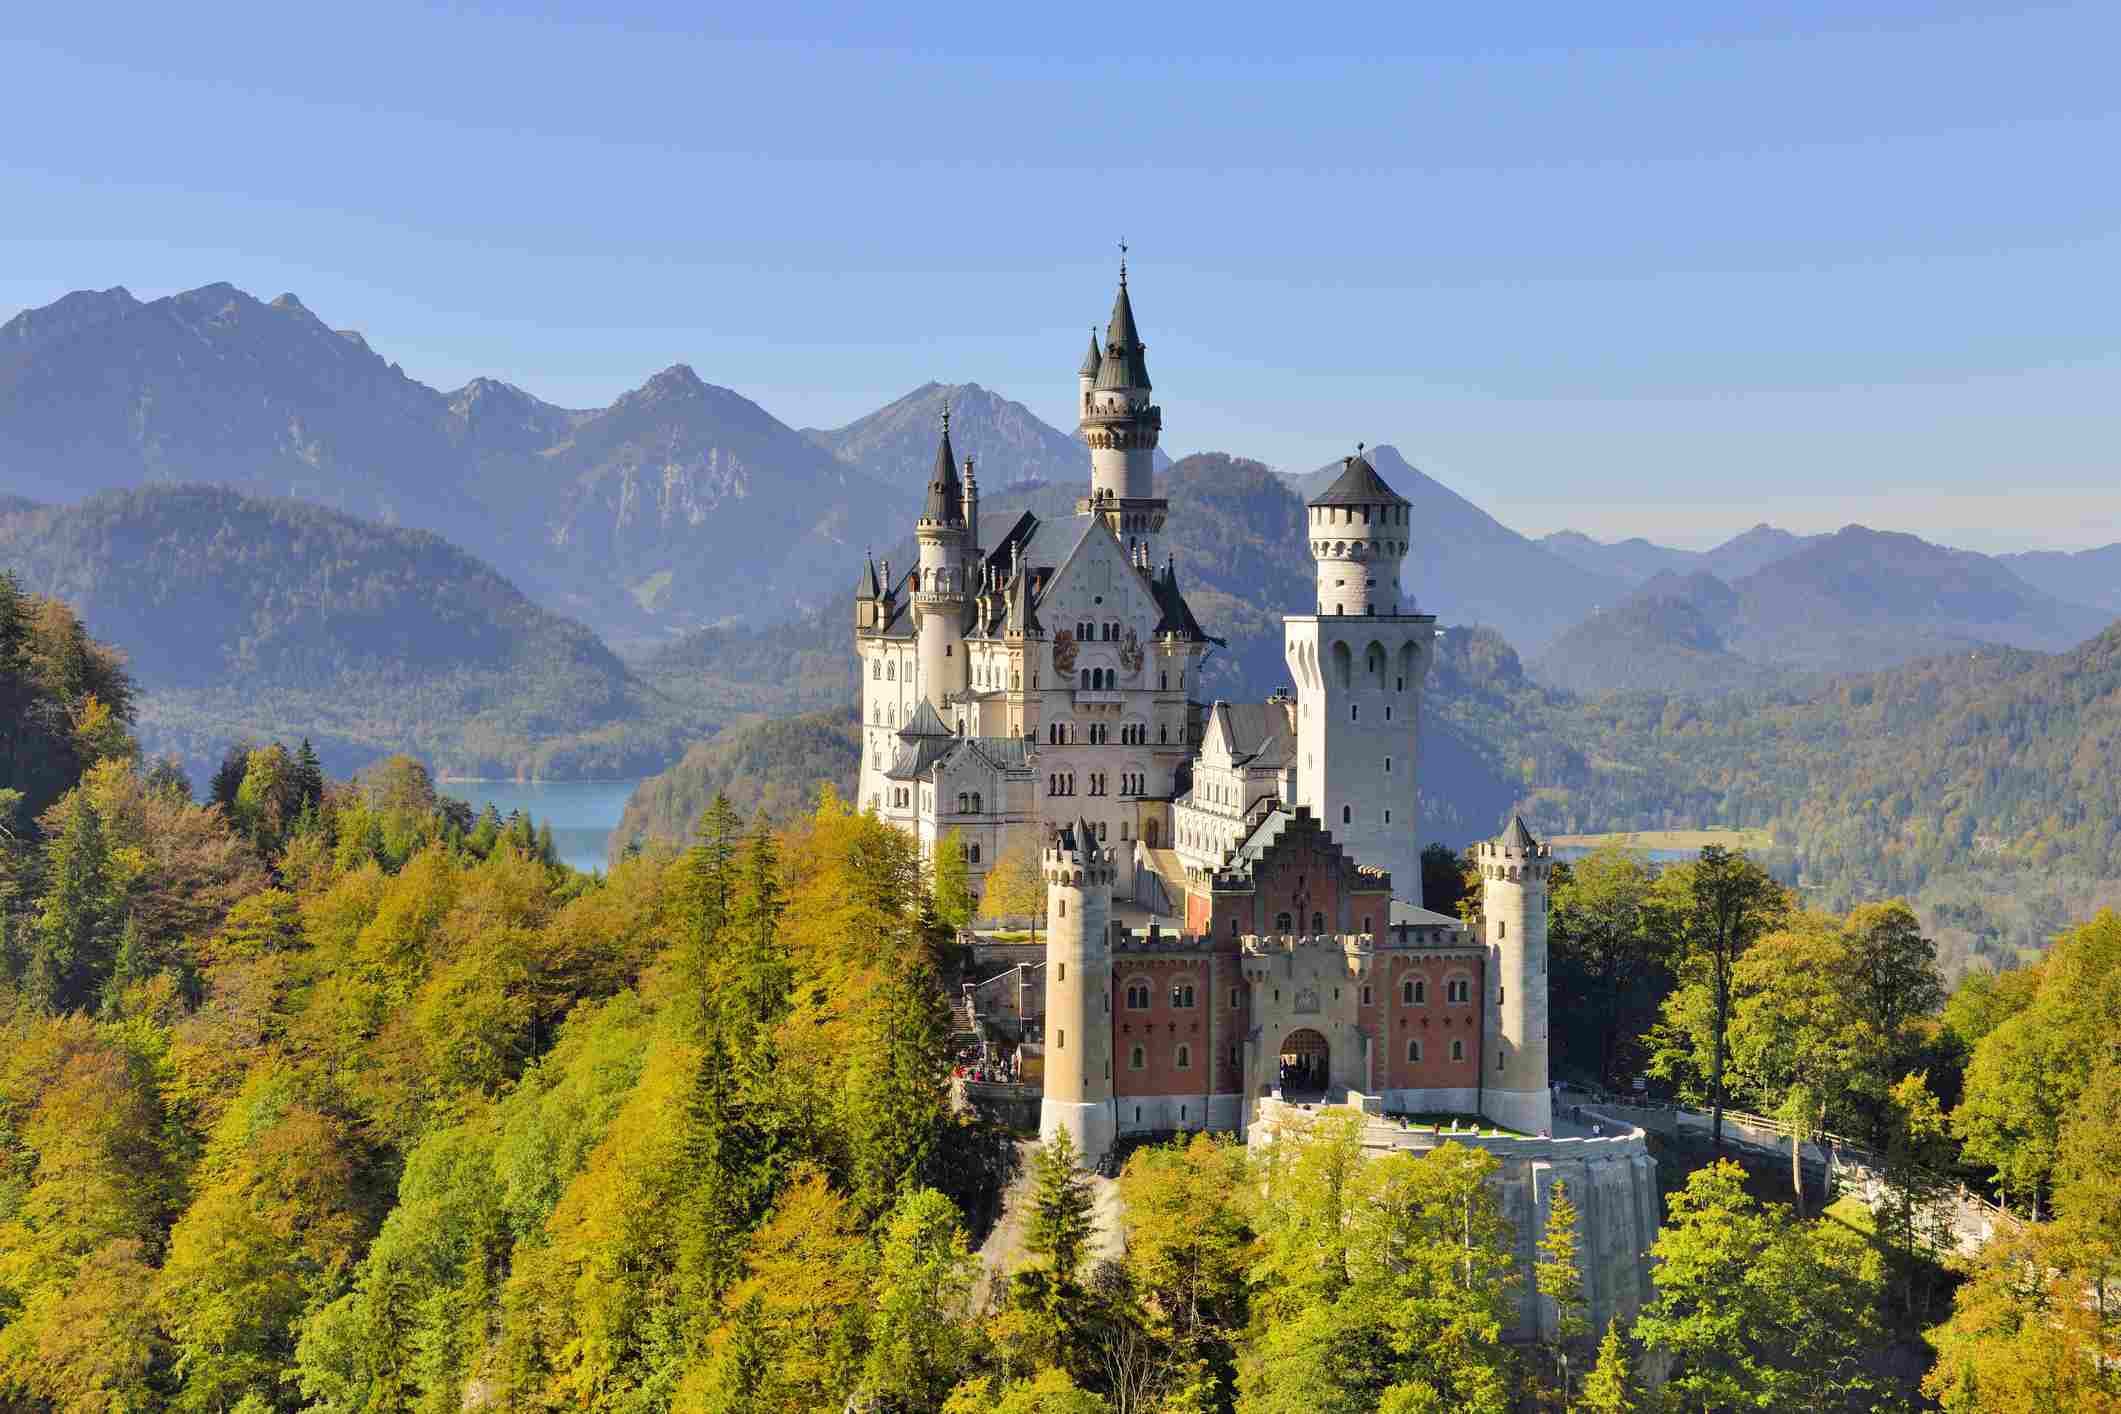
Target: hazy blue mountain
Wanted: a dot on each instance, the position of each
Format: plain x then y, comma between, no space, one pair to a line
275,618
1466,567
680,503
1630,561
2085,577
1009,443
1753,550
696,502
1637,560
1855,600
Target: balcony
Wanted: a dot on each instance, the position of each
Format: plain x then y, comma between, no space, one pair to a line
1099,696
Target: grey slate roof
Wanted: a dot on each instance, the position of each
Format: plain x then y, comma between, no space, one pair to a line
1091,360
1125,364
1359,485
1177,615
1517,836
1258,733
946,494
925,722
865,585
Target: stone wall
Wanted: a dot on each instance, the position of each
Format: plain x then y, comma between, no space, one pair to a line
1611,1180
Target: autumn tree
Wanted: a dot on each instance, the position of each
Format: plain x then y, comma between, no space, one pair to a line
1756,1309
1016,885
950,881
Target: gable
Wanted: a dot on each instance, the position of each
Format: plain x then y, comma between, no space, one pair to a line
1095,584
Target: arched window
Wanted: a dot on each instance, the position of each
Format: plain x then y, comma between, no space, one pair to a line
1136,1059
1138,995
1185,1056
1283,923
1182,995
975,854
1318,923
975,803
964,803
876,671
890,672
1347,815
1501,929
1458,1050
1414,1050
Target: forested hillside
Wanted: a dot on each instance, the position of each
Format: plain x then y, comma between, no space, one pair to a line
243,616
771,768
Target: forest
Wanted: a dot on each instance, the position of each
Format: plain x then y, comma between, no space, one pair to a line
328,1094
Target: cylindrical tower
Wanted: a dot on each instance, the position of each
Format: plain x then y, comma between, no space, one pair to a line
939,595
1359,537
1121,423
1078,1098
1514,871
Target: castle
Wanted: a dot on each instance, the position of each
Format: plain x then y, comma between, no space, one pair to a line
1235,904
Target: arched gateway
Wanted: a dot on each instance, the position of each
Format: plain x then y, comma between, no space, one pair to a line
1305,1062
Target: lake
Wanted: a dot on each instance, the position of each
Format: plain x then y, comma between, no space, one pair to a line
582,813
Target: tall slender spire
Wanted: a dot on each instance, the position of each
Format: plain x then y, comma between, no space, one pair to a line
945,503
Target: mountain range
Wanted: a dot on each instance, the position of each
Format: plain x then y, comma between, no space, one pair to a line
895,445
269,618
1853,600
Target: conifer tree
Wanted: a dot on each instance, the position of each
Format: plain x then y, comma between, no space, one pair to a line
1558,1278
1610,1387
897,1096
1058,1233
132,965
70,952
309,775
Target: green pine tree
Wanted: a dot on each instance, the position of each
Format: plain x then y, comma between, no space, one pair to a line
1610,1387
1558,1278
72,943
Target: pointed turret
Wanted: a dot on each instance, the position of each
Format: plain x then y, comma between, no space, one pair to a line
940,591
1125,364
945,492
1122,426
1091,360
868,592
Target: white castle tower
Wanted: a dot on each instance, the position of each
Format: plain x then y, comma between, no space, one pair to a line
1514,871
939,598
1121,426
1359,665
1078,1098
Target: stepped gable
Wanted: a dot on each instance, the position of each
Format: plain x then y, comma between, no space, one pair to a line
1289,831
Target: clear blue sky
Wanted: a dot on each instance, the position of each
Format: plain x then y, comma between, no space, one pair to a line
1658,268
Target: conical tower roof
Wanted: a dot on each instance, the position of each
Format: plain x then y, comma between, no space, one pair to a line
866,584
1125,363
1359,485
1091,360
945,504
1517,836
